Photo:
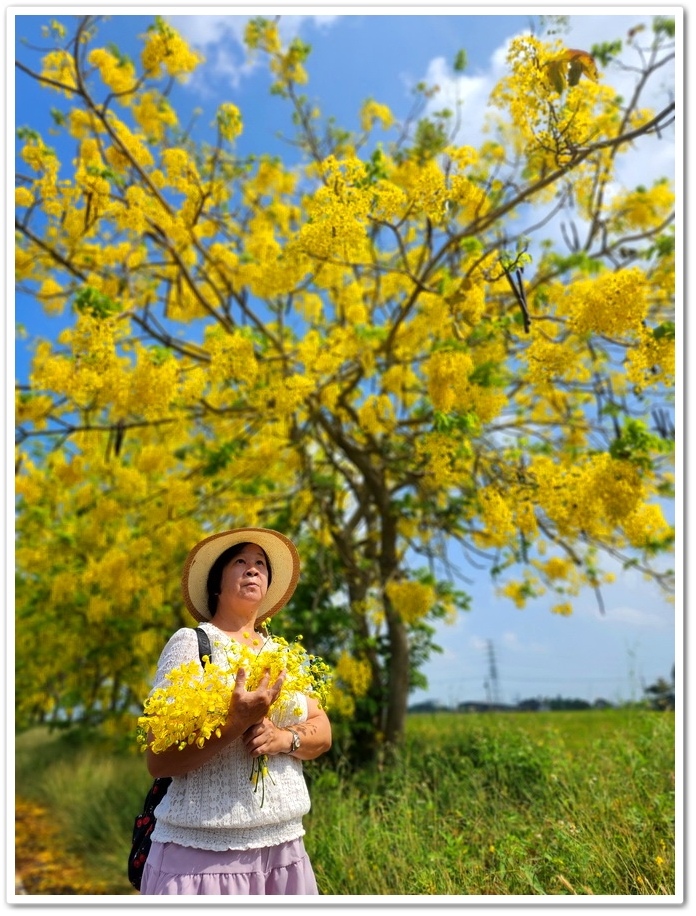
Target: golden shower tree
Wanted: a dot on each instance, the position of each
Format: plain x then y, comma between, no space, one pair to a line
357,345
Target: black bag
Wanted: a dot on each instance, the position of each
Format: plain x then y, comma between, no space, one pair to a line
146,820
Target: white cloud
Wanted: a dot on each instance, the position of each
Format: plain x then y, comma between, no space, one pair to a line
478,644
459,92
221,39
512,641
471,93
625,615
203,31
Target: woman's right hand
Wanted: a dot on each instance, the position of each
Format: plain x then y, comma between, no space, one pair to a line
247,707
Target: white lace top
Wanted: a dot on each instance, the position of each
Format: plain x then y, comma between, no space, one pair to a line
215,806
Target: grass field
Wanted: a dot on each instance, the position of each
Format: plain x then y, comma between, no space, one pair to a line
560,803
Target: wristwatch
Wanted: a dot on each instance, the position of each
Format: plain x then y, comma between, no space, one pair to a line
295,740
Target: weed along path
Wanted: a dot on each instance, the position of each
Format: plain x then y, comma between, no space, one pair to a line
42,865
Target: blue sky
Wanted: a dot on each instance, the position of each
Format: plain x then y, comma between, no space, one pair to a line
382,52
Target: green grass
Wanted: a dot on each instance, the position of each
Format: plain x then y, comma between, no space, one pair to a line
494,804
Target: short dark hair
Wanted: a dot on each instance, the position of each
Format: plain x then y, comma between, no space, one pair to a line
218,567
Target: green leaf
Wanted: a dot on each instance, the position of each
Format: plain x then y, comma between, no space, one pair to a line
159,355
665,331
95,303
555,73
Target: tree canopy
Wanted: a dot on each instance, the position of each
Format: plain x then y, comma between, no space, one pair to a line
360,347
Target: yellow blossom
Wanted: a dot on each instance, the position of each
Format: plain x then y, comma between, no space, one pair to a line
23,197
166,50
229,121
565,609
411,600
117,73
612,303
353,673
373,111
194,705
498,523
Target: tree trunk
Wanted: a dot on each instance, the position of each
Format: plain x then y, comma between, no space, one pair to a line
399,665
399,654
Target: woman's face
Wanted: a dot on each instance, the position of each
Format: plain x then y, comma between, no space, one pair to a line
245,578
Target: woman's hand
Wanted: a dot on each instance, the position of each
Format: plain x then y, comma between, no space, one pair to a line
249,707
266,738
315,735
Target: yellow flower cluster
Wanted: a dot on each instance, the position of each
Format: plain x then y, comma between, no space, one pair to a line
402,382
289,67
652,362
426,186
150,388
411,600
232,357
192,708
448,379
521,591
117,73
618,485
450,388
552,360
373,111
594,497
612,303
82,124
32,409
229,121
564,609
166,50
154,115
272,179
352,681
23,197
354,673
94,374
179,168
646,526
642,209
444,462
558,568
376,416
337,212
58,66
135,145
498,524
262,33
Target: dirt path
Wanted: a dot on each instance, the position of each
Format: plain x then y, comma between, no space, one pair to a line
41,864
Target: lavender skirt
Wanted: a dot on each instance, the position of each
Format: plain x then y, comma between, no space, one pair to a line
183,870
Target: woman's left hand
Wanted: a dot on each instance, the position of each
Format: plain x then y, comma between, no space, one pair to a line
315,735
266,738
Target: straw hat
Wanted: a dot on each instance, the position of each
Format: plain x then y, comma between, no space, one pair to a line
282,557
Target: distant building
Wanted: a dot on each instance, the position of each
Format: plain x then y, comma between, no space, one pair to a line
429,706
482,706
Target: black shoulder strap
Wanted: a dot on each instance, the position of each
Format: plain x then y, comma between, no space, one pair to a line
203,644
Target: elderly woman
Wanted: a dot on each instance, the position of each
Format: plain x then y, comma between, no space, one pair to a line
212,836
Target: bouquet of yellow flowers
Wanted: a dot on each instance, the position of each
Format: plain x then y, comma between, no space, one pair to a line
193,706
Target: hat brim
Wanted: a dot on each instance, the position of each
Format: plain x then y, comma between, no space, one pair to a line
282,556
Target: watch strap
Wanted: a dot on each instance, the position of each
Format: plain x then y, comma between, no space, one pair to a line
295,740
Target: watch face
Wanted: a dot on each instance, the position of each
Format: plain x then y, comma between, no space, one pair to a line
295,741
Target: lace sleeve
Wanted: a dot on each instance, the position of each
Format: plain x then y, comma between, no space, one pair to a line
182,647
